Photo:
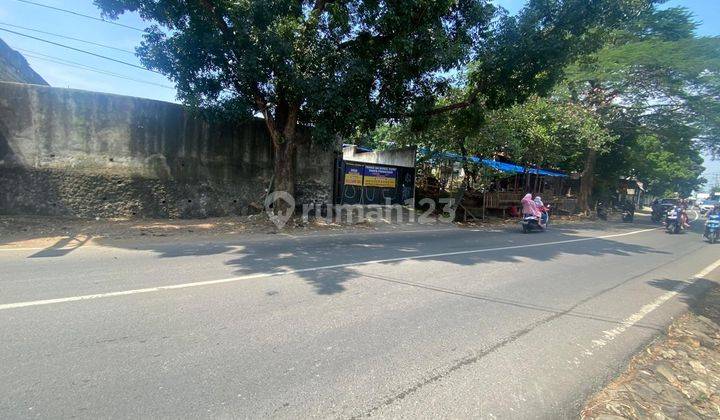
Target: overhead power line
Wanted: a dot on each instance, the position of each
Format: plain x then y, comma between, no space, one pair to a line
62,61
79,50
80,14
67,37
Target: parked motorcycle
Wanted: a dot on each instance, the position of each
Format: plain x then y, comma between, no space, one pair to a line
712,228
628,213
658,214
601,211
673,224
628,216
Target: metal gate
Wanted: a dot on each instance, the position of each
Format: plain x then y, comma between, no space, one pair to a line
364,183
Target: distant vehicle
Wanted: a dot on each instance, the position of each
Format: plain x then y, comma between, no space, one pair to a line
628,215
673,224
712,228
661,208
707,205
601,211
628,211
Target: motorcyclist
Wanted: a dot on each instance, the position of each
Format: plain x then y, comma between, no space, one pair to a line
711,225
683,214
543,210
655,205
715,211
629,206
628,209
529,207
601,210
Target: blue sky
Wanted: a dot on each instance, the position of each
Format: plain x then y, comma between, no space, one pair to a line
44,57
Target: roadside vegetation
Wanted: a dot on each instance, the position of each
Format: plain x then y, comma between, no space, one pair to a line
643,105
608,88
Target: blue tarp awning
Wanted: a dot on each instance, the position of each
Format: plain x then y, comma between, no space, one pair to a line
498,166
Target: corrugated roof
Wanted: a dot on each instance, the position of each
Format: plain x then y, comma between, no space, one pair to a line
498,166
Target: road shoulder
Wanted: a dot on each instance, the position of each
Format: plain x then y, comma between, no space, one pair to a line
676,376
35,232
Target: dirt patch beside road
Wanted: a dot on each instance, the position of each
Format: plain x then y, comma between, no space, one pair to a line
39,232
678,376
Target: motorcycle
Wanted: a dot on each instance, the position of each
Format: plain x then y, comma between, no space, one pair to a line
530,223
628,215
658,214
673,224
712,228
601,211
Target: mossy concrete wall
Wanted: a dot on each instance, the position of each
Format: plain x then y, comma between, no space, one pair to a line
88,154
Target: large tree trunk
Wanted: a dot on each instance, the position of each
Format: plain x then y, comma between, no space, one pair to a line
282,128
284,170
470,175
587,181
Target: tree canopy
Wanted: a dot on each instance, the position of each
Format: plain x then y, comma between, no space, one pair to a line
341,66
331,65
656,86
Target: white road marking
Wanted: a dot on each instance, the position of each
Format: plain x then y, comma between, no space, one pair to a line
611,334
301,270
697,215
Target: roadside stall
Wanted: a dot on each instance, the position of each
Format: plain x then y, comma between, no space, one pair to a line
484,186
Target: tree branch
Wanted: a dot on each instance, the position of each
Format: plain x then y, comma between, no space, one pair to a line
468,102
471,100
319,6
258,97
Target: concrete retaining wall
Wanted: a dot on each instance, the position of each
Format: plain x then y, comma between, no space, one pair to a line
88,154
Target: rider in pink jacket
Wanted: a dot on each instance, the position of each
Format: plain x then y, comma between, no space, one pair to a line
529,206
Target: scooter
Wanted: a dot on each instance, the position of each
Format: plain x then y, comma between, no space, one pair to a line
657,215
530,223
712,228
672,222
601,211
628,216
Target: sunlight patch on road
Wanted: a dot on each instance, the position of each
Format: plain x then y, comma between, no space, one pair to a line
613,333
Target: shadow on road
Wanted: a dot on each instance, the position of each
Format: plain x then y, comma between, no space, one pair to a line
62,247
328,262
691,292
342,255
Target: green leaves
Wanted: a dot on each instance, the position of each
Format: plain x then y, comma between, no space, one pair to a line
527,54
655,84
342,64
546,133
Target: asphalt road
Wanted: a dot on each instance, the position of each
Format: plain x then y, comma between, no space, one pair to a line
434,323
